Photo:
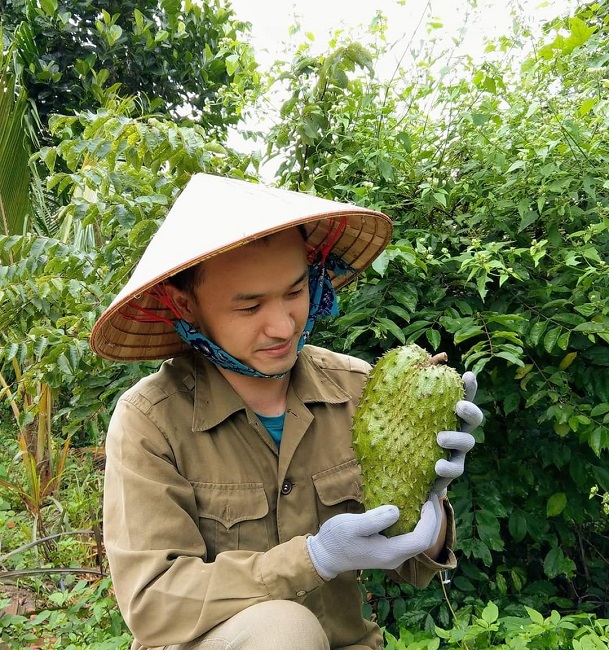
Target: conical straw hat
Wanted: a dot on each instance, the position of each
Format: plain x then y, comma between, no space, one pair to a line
213,215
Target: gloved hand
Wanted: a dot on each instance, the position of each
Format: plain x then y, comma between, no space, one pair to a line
349,542
458,442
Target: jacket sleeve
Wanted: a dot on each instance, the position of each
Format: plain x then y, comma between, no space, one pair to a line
420,569
166,590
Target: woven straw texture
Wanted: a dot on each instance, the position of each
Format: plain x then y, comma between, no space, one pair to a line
213,215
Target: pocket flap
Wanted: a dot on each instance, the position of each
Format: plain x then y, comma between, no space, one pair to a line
230,503
340,483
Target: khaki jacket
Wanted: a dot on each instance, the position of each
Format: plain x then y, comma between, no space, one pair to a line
203,516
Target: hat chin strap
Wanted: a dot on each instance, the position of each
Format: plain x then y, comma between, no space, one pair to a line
322,304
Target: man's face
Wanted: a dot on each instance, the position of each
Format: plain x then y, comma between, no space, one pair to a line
254,301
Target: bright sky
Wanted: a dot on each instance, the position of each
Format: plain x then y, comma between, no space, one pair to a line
272,20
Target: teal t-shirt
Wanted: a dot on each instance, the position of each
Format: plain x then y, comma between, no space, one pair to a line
274,425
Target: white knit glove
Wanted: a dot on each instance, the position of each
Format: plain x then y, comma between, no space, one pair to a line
350,542
458,442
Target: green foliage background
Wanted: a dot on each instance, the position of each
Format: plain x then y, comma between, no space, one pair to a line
179,58
495,175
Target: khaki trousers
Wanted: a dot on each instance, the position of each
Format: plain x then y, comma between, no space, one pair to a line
270,625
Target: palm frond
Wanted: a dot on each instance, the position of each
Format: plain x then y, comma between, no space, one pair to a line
14,152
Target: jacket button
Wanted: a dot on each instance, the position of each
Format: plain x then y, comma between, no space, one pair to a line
286,487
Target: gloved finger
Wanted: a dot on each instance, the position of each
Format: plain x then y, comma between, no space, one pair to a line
471,385
440,485
469,414
439,516
447,471
457,440
373,521
429,524
451,468
426,531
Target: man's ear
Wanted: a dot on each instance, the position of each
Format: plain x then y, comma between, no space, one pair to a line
183,301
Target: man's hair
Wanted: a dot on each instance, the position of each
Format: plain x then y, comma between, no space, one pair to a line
189,279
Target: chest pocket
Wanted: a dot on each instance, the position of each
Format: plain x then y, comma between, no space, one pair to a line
232,516
339,489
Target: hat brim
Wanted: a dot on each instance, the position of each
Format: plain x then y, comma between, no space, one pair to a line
195,230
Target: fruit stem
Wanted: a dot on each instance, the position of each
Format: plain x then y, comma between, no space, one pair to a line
441,357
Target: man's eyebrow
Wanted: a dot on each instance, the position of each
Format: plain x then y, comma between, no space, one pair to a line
245,297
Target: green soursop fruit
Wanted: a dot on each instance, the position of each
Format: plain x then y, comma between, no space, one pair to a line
408,398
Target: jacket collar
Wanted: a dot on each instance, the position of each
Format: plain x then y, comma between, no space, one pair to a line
215,400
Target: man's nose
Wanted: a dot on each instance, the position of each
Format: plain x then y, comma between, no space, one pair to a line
280,323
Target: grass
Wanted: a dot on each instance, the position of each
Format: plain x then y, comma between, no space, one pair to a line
55,591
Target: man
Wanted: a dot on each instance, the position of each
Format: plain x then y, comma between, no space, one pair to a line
232,509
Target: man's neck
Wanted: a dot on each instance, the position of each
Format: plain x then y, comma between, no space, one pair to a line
264,396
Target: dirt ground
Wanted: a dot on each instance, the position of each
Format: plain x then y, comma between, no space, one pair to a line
23,600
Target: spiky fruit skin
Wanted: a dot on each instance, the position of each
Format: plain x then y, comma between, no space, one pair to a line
408,398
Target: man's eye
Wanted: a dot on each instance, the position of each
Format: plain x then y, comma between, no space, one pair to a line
249,310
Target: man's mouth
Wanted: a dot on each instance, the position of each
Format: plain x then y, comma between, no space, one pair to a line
278,349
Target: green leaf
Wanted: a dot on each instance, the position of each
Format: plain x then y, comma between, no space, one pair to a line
232,64
404,139
348,320
40,346
534,615
10,351
407,299
142,232
114,33
518,164
567,360
393,328
580,32
592,328
399,608
463,584
161,35
440,197
556,504
383,609
563,340
511,403
599,409
468,333
517,525
399,311
490,613
49,7
381,263
537,331
479,119
551,339
556,563
434,338
14,154
386,169
416,327
64,365
528,219
487,526
586,106
340,78
509,356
